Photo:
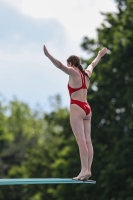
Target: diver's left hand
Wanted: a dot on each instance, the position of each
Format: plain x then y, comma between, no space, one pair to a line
102,52
45,50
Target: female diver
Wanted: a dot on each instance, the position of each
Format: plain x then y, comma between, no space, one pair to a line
80,111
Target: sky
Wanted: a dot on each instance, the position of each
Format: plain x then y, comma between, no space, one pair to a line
25,26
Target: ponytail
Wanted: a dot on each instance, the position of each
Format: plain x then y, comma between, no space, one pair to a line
83,71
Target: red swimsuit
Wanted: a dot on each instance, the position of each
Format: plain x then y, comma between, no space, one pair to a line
84,105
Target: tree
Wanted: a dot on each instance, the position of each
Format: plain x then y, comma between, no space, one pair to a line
20,130
111,97
38,148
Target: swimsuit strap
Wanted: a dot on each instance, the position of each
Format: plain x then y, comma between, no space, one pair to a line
83,79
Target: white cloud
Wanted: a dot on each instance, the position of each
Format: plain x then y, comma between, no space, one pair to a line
17,4
80,17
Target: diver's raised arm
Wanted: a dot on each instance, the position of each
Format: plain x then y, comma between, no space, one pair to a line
100,54
57,63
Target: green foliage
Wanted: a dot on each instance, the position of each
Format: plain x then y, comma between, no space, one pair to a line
21,130
111,99
34,145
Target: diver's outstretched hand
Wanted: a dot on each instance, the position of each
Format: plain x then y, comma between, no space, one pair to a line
102,52
45,50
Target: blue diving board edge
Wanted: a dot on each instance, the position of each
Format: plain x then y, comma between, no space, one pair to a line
31,181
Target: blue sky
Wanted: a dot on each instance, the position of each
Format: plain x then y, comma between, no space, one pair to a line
25,26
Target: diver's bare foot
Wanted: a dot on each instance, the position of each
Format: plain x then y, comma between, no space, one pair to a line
83,176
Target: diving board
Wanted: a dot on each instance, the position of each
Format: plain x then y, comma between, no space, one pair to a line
31,181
